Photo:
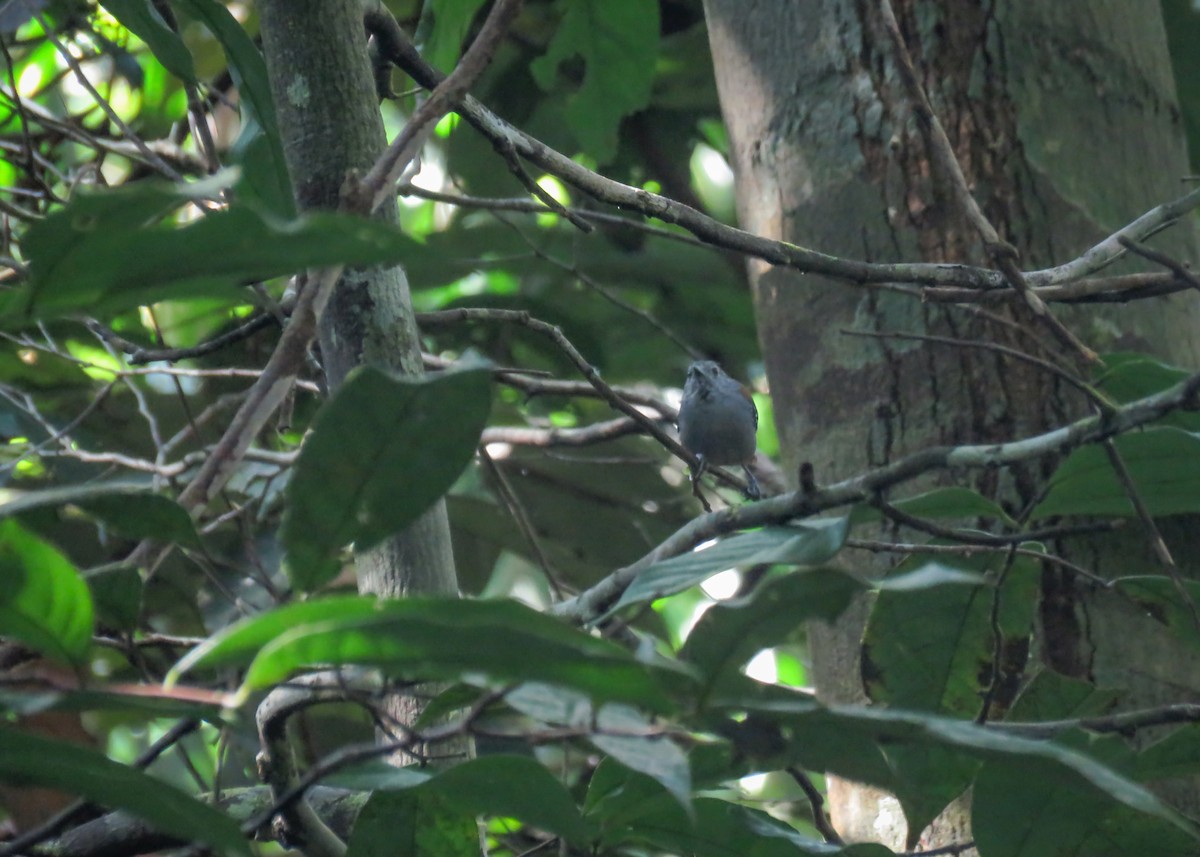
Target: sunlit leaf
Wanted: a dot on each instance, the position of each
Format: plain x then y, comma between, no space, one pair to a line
811,543
143,19
131,508
433,638
617,40
44,602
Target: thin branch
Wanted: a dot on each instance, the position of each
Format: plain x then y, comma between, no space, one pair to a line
380,181
522,205
816,802
1157,544
520,317
970,550
1069,377
126,132
515,508
400,50
595,601
1125,723
1179,269
138,354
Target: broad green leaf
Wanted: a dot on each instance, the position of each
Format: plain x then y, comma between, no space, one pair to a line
381,451
618,730
249,72
143,20
117,594
1033,809
240,642
723,828
731,632
102,252
147,706
417,823
44,602
1177,755
1050,695
935,649
1164,464
1128,377
617,796
849,740
29,760
131,508
433,638
442,28
951,502
809,544
1162,601
482,787
617,41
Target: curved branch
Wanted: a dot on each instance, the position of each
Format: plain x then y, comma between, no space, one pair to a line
594,602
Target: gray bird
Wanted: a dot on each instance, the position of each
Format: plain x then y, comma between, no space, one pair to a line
718,421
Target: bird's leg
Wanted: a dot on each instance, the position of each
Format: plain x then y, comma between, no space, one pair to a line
752,490
696,472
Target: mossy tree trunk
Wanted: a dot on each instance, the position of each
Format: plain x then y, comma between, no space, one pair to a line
329,117
1063,117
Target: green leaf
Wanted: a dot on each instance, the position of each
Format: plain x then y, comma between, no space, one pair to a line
44,602
1130,376
854,741
381,451
1034,809
722,828
143,20
143,706
240,642
950,502
28,760
618,730
433,638
485,786
1050,695
1160,599
731,632
617,41
1177,755
249,72
935,649
1164,464
117,593
809,544
131,508
443,26
102,252
417,823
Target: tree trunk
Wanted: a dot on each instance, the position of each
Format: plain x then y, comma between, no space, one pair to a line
1063,118
329,119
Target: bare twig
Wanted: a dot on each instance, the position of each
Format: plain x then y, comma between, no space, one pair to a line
817,802
650,426
595,601
398,48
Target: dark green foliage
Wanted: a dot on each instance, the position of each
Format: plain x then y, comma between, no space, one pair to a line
631,733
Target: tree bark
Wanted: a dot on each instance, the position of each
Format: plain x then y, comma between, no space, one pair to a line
1063,118
329,117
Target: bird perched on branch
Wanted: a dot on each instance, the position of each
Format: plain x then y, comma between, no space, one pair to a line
718,422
